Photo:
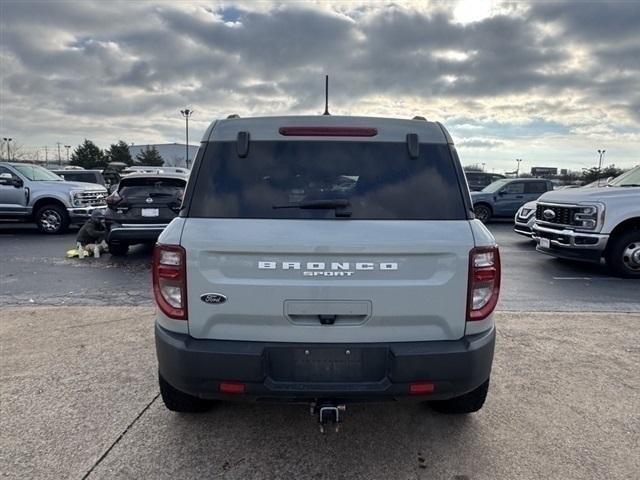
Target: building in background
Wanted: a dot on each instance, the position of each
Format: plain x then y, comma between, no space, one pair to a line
173,154
544,171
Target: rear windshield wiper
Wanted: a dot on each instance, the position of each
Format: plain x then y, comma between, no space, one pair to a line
339,204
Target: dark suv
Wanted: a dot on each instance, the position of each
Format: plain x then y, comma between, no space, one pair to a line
141,207
87,176
478,180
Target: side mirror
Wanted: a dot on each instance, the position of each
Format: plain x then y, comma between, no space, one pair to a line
18,183
502,192
6,179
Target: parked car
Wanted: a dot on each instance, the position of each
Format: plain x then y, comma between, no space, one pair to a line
524,219
141,207
87,176
478,180
326,260
30,193
592,224
504,197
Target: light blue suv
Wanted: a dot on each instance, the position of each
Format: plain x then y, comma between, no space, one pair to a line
504,197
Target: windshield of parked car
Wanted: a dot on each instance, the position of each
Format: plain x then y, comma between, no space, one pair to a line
328,179
36,173
495,186
627,179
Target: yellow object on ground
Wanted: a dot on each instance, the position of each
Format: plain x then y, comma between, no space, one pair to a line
73,253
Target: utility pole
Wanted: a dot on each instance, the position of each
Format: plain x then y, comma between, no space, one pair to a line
186,113
46,155
67,147
59,157
7,140
518,169
601,152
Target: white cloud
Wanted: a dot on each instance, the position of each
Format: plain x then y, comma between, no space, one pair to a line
510,79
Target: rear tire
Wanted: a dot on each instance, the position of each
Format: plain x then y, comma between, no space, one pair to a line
52,219
178,401
118,249
483,212
468,403
623,255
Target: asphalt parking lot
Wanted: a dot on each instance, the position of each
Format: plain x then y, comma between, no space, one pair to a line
79,396
35,272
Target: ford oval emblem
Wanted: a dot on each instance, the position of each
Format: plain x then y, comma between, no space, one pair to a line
149,200
213,298
548,214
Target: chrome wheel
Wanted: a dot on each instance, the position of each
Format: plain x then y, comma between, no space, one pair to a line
50,220
631,256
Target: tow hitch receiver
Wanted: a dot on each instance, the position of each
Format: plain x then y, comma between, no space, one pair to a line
328,413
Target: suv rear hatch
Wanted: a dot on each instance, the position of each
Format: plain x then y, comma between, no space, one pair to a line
146,200
327,241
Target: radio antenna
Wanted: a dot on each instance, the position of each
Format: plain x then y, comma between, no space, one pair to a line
326,95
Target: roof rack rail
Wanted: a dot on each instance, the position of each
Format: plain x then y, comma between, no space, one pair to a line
419,117
234,115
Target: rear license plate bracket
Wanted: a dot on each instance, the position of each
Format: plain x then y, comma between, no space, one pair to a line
327,364
150,212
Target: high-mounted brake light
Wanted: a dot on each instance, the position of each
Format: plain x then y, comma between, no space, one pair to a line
328,131
484,282
170,280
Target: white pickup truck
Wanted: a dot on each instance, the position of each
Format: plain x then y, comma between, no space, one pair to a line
592,224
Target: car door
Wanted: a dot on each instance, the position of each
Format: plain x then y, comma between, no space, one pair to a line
509,199
13,193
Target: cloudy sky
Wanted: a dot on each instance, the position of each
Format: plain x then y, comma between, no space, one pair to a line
546,82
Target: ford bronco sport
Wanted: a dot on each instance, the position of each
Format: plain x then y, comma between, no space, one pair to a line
326,260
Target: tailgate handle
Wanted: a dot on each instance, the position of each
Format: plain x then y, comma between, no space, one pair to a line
327,312
327,319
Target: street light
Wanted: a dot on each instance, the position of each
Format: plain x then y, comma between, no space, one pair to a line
7,140
186,113
67,147
518,169
483,164
601,152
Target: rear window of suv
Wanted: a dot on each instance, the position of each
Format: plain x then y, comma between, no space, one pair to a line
377,180
152,186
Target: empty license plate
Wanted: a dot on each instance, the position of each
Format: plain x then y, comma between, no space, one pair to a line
150,212
545,243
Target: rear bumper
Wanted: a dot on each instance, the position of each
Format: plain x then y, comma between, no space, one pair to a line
198,366
132,233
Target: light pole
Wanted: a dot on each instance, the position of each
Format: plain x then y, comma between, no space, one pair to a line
67,147
483,167
518,169
7,139
601,153
186,113
59,157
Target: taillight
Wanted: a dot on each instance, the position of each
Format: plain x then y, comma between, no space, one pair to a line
113,199
328,131
170,280
484,282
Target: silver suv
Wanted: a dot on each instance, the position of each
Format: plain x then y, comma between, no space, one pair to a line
326,260
30,193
